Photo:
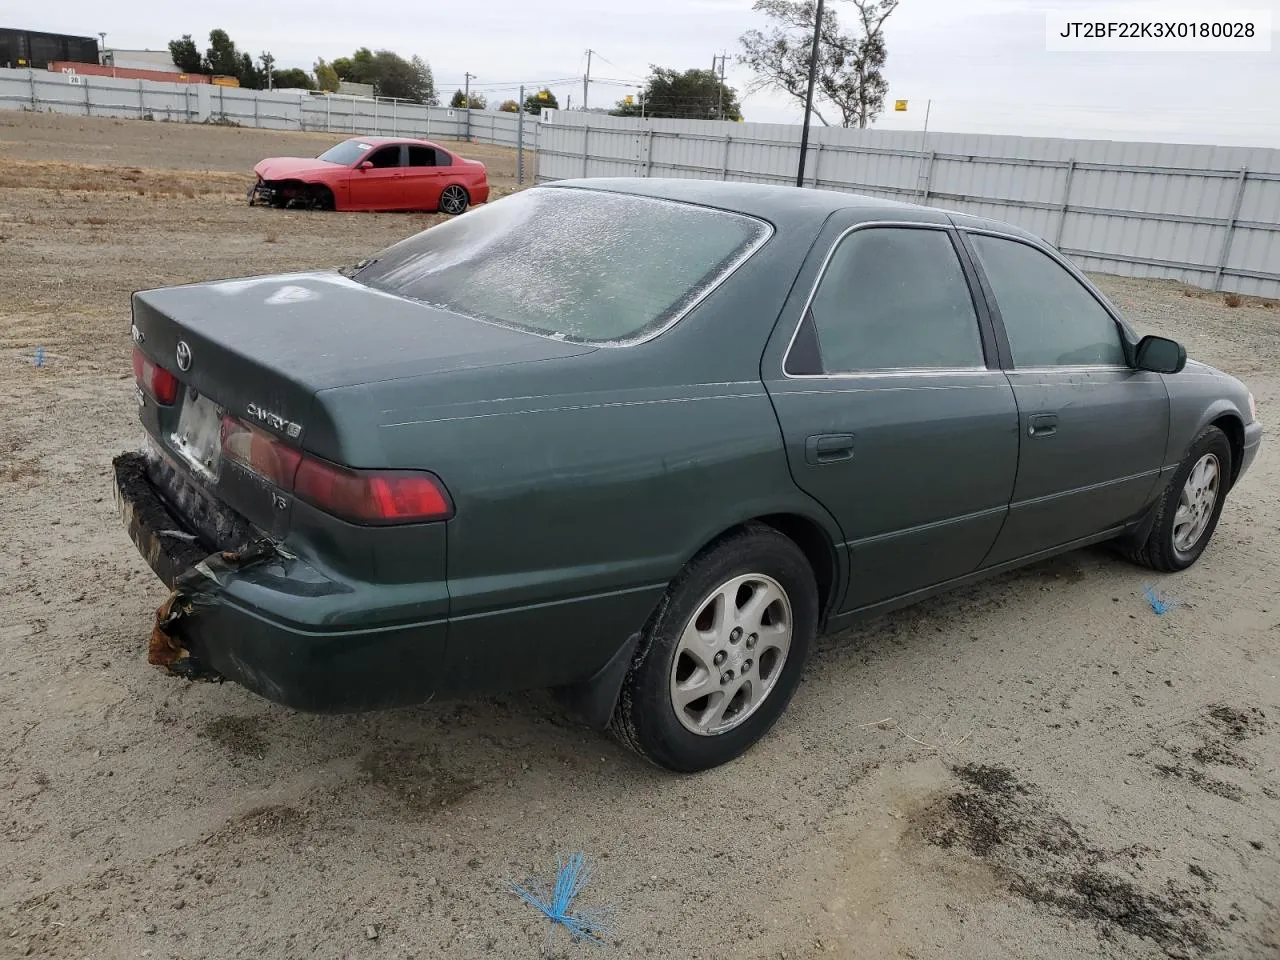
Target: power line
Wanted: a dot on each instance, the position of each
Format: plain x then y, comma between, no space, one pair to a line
623,69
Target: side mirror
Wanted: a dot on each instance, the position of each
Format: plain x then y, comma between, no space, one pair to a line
1160,355
364,165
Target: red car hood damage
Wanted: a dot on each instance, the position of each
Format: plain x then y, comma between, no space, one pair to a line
280,168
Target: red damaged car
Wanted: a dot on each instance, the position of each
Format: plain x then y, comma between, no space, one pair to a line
373,173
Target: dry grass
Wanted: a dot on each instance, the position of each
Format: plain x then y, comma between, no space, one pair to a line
271,238
1232,300
96,221
86,180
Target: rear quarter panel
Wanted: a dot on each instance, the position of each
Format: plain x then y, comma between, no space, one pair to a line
573,514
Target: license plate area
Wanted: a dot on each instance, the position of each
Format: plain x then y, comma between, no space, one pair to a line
197,439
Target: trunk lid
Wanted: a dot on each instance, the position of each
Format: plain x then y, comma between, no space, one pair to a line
261,348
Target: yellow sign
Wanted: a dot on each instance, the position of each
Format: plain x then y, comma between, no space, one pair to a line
900,105
628,100
544,95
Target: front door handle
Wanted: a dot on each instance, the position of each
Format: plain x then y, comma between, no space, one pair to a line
1042,424
828,448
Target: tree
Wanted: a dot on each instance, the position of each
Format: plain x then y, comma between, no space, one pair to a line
185,55
535,102
459,101
293,78
326,76
356,68
850,72
221,58
250,77
390,75
426,81
509,106
692,95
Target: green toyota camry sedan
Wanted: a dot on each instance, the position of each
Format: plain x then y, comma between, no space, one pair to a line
639,441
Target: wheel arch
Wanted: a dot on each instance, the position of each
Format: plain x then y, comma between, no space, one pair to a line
1233,426
815,542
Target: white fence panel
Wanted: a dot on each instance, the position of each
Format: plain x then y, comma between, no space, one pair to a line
1205,215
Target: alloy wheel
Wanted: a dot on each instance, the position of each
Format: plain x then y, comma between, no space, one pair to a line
731,654
453,199
1196,503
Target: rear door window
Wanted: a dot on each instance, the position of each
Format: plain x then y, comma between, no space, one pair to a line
422,157
895,298
574,264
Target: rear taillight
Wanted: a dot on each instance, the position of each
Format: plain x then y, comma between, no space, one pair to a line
260,452
358,496
372,496
156,380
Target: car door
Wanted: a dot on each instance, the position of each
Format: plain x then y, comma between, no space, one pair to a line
379,187
1092,429
421,182
894,411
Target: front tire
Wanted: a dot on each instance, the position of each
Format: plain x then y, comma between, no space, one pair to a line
722,656
320,198
1190,506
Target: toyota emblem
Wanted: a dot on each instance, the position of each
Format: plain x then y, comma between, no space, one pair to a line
184,356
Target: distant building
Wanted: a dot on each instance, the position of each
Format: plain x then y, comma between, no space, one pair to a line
126,73
349,89
140,59
31,48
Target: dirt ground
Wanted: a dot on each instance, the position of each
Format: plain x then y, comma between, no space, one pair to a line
1037,767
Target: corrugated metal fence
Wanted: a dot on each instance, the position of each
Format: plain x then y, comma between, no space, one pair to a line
205,103
1208,216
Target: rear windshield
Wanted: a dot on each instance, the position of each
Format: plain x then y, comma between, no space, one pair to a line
574,264
346,153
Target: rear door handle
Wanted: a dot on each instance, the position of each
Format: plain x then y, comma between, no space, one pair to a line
1042,424
828,448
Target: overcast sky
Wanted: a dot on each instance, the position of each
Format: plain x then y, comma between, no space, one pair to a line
982,62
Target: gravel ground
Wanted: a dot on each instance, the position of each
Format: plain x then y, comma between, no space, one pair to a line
1037,767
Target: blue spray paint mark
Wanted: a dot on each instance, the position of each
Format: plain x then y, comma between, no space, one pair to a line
572,875
1158,603
39,359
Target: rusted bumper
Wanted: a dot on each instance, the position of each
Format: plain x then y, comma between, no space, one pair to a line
270,621
177,557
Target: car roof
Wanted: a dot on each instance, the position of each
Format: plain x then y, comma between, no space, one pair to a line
784,205
383,141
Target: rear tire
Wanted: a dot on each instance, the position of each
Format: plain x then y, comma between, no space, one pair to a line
1188,511
722,655
453,200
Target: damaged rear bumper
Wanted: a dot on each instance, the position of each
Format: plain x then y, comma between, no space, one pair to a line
267,620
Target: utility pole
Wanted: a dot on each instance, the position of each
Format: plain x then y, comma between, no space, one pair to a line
808,100
720,91
586,79
466,100
268,62
520,139
102,57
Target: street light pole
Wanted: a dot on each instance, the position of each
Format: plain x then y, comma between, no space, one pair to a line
466,101
808,100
